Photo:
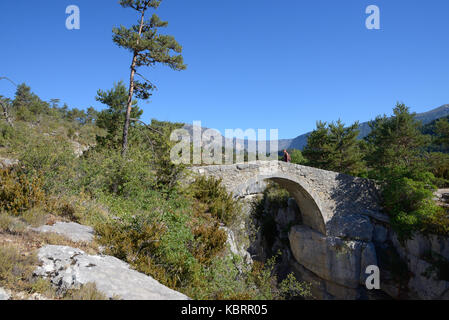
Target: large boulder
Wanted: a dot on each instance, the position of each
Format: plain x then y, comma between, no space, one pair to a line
69,268
331,258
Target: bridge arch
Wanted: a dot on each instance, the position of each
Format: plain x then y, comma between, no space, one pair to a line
311,211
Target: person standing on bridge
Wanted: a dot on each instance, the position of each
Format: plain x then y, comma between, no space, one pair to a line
287,157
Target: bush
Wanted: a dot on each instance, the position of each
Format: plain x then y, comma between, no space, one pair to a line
227,279
297,157
210,241
153,236
105,171
408,199
51,158
273,199
18,193
215,199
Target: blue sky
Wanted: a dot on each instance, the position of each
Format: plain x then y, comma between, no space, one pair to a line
251,63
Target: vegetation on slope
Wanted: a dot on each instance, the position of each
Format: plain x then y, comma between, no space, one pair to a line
140,211
397,154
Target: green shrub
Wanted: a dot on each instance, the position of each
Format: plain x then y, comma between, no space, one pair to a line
407,197
210,241
228,279
152,235
105,171
215,199
19,193
51,158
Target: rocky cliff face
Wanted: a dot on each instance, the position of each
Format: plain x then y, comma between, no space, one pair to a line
336,265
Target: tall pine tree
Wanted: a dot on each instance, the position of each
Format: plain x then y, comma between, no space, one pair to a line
396,142
335,147
148,48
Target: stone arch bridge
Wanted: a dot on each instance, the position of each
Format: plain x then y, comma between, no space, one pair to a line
341,222
331,203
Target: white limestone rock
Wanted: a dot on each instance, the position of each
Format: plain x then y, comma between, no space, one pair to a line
71,230
331,258
69,268
4,294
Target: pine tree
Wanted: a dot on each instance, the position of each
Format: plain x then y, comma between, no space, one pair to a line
442,130
148,48
396,141
346,156
335,147
110,119
317,149
26,104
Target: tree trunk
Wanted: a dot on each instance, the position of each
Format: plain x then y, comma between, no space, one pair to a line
6,115
131,92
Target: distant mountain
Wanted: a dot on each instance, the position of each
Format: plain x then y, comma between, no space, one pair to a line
301,141
426,117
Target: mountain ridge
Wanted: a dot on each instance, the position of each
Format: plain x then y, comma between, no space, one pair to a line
300,141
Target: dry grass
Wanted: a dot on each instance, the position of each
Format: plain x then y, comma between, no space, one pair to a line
18,248
88,291
18,261
35,217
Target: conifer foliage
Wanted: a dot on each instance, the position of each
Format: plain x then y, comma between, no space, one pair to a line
149,48
334,147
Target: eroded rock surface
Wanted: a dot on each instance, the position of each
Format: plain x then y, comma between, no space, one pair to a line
427,258
71,230
4,295
342,262
69,268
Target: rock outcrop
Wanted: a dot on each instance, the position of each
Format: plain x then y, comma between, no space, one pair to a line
69,268
4,295
235,247
7,163
342,262
70,230
427,259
